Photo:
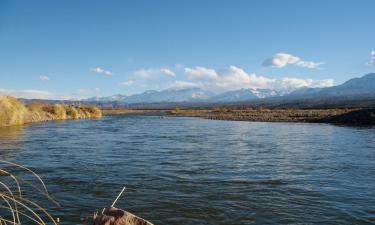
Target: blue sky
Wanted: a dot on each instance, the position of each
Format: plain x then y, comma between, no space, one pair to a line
76,49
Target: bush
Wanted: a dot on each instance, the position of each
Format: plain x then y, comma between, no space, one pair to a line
12,112
72,112
35,106
93,111
57,111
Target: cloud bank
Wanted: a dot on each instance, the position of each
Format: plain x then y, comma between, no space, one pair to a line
233,78
152,72
32,94
281,60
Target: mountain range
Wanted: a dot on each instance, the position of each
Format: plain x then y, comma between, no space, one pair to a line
353,88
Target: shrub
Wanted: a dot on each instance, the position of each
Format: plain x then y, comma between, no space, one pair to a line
12,112
93,111
176,110
72,112
35,106
57,111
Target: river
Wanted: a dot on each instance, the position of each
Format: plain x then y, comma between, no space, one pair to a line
190,171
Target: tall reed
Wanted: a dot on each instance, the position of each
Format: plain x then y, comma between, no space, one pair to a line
15,206
13,112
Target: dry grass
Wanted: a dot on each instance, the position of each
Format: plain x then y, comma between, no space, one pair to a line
72,112
261,114
92,111
16,208
13,112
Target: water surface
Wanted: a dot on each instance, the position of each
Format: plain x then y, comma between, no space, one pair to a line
193,171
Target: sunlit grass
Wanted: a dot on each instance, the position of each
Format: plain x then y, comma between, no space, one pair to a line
13,112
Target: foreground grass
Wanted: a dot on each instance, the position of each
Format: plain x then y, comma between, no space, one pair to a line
13,112
16,207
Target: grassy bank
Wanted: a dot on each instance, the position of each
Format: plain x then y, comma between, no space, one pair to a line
13,112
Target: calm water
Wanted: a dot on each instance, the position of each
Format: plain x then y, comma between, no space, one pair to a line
183,171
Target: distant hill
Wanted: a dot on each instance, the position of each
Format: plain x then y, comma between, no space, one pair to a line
244,95
356,92
169,95
356,87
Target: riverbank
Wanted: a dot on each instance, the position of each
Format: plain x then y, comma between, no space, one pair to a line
124,111
13,112
340,116
263,115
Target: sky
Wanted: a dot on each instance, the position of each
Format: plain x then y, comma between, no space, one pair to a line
78,49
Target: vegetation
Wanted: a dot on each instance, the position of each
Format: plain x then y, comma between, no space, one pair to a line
357,117
262,114
245,114
15,206
13,112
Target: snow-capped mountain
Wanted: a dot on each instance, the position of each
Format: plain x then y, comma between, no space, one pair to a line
356,87
112,98
364,86
168,95
244,95
189,95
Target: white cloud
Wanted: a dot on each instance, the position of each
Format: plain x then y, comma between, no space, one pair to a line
200,72
372,61
100,70
151,72
40,94
44,78
84,91
31,94
167,72
126,83
294,83
185,84
281,60
234,78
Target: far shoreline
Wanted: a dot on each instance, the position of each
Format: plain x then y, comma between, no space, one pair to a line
354,116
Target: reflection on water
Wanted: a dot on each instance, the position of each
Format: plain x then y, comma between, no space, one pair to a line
195,171
11,132
10,137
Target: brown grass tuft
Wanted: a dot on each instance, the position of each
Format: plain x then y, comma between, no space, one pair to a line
12,112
